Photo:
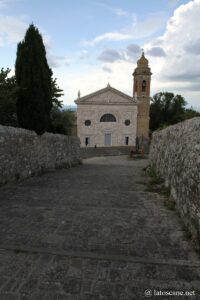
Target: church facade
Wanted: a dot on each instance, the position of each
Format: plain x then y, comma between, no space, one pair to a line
109,117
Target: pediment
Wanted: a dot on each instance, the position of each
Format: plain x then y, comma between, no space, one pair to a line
106,96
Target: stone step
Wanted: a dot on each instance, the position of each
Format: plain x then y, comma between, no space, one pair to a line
105,151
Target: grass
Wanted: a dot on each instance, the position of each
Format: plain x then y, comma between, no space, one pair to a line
170,204
156,184
154,177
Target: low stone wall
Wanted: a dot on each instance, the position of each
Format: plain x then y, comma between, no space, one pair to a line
175,151
23,153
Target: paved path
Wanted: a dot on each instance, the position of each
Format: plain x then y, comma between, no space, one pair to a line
92,233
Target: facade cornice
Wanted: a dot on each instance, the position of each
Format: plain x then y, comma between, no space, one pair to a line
86,99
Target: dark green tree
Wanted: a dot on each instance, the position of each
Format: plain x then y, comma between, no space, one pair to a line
191,113
56,93
8,98
166,109
33,77
63,121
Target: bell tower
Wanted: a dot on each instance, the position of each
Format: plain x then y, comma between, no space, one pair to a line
141,92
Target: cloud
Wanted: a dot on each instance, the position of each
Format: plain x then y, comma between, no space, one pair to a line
109,36
156,51
133,50
178,71
4,3
119,74
107,69
193,46
84,54
120,12
57,61
109,55
136,30
115,10
12,30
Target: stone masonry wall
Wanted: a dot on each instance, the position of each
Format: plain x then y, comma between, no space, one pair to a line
23,153
175,151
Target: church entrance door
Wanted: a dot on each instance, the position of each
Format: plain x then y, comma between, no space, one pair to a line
108,139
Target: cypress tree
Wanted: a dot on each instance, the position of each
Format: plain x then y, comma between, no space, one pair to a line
33,77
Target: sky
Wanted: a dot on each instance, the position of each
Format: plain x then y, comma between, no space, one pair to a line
92,42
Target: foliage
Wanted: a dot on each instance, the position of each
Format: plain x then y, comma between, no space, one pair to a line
166,109
190,113
8,97
33,77
170,203
62,121
56,93
152,173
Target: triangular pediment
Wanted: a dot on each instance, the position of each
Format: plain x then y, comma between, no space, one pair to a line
108,95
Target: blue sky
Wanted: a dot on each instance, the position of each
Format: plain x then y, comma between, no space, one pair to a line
91,42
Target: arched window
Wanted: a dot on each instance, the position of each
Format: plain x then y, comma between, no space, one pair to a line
144,84
108,118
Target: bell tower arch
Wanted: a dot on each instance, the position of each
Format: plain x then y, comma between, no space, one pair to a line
141,92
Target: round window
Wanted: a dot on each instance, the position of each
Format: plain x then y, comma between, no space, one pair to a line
127,122
87,123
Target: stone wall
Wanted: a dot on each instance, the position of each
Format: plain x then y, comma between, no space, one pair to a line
23,153
175,151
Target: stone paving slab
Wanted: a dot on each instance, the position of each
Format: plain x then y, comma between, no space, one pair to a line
92,232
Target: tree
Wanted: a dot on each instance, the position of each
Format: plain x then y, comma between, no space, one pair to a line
166,109
63,121
8,97
56,93
33,77
191,113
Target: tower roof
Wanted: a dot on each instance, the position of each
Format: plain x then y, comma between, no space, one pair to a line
142,61
142,66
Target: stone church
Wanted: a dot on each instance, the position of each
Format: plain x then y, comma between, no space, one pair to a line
109,117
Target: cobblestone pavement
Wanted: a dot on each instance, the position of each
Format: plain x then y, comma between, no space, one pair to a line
92,233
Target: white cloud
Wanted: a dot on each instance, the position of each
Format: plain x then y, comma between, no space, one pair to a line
193,46
12,29
109,36
118,74
84,54
176,72
179,70
136,30
117,11
120,12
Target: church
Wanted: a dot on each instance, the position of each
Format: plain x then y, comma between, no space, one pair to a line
110,118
